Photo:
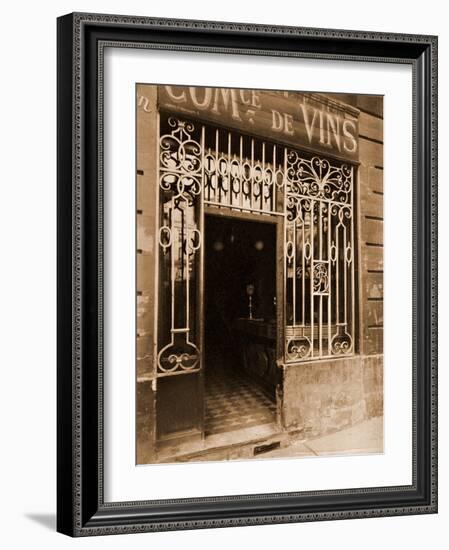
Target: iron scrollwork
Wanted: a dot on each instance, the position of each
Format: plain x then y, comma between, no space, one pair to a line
318,178
319,267
180,240
180,162
315,197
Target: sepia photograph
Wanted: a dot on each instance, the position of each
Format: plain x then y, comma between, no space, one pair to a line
246,273
259,274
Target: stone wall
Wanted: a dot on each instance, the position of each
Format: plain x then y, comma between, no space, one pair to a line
325,396
146,195
145,422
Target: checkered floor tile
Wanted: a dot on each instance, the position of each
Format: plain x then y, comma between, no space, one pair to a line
234,402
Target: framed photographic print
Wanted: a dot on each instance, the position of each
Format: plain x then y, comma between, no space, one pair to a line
246,274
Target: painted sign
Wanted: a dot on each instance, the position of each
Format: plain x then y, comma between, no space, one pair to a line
303,120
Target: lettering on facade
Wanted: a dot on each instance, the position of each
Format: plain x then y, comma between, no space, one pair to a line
326,128
294,117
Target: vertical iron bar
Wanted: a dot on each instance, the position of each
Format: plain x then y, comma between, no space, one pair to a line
320,231
156,249
185,260
210,176
320,326
320,314
337,277
262,205
294,273
172,269
200,287
251,179
274,186
352,262
217,171
241,171
312,257
284,221
345,276
303,273
329,297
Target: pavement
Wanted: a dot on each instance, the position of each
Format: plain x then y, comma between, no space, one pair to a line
363,438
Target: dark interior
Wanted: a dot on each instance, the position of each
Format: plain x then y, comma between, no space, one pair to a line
239,352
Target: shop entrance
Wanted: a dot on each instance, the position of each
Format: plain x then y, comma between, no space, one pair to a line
255,267
239,325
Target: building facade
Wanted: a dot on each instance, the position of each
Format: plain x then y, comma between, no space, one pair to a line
259,269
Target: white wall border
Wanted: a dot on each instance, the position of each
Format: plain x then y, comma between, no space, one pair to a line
123,480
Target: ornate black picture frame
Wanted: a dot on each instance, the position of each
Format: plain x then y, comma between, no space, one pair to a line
81,509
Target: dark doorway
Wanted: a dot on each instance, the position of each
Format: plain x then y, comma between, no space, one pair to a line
240,321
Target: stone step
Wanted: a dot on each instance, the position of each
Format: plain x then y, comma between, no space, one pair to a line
239,444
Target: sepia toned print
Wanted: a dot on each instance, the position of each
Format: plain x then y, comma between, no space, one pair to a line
259,274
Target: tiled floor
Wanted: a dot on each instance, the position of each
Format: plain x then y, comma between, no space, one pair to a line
234,402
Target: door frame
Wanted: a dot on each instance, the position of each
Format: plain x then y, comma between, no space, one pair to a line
278,221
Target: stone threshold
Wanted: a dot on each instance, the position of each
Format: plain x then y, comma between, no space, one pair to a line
270,441
242,443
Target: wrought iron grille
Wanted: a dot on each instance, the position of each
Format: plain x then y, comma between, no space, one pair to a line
200,165
181,177
243,173
319,258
